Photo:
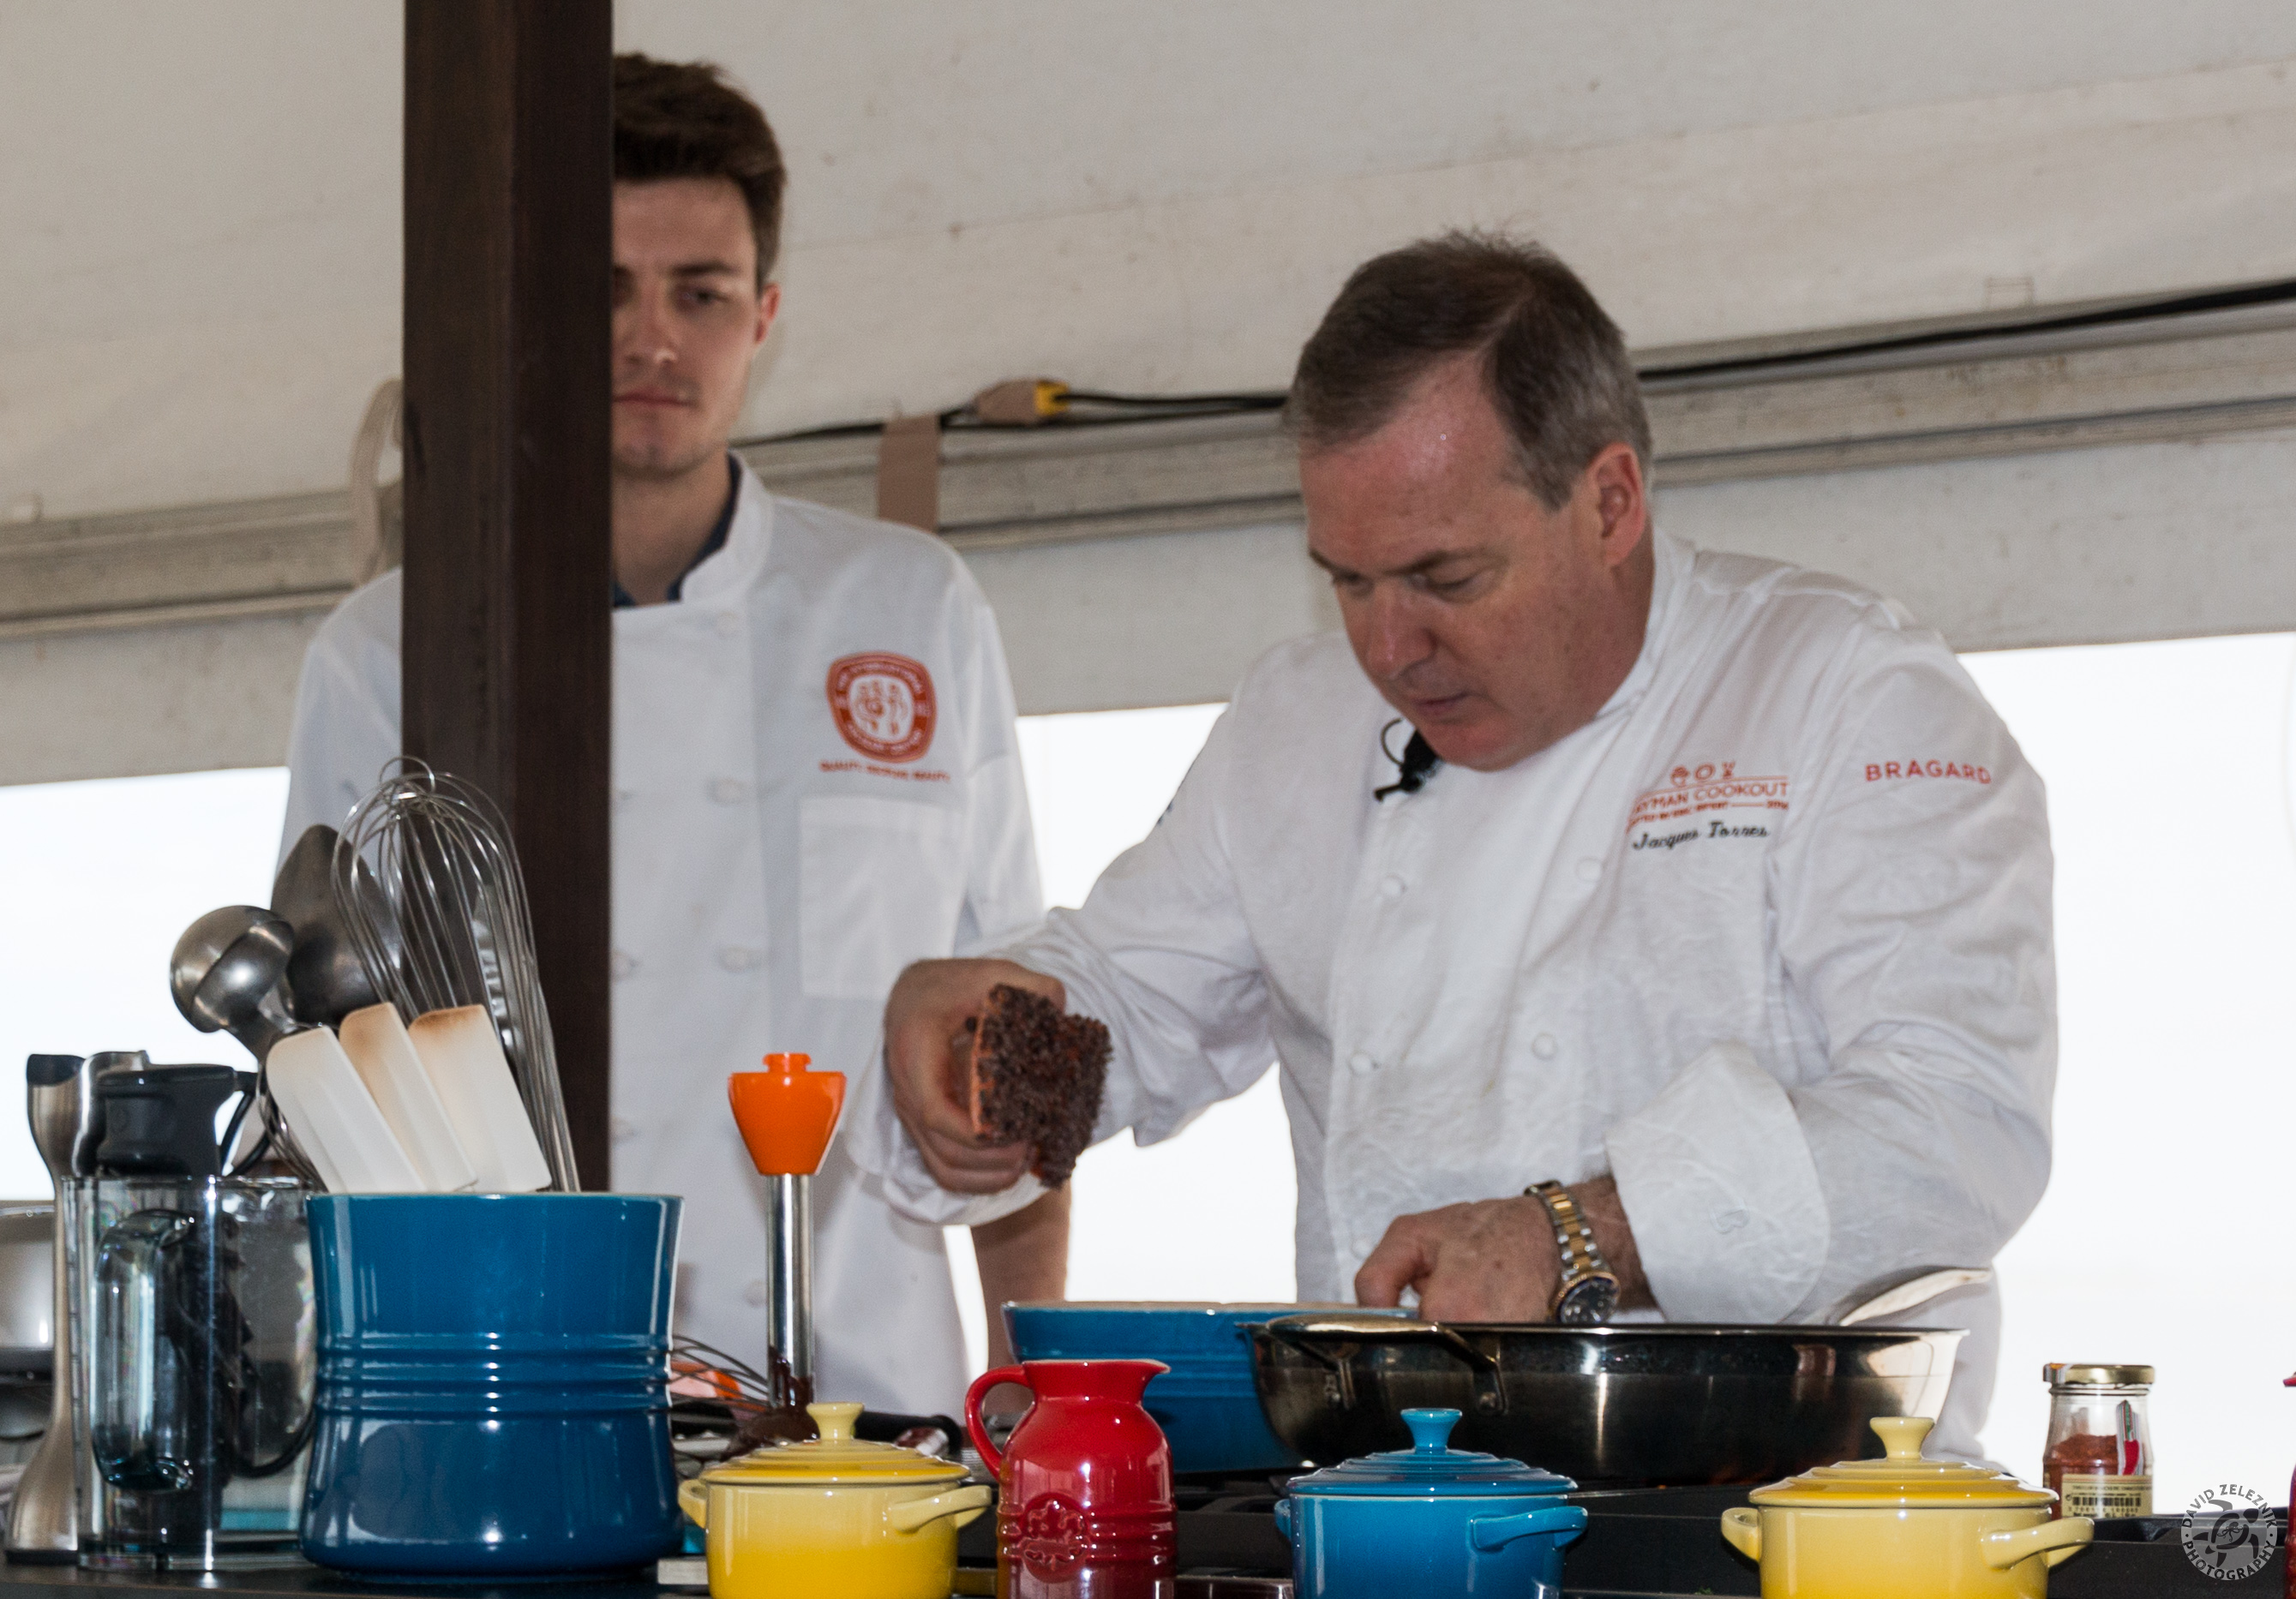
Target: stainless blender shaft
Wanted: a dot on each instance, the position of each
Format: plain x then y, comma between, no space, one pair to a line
43,1517
789,1272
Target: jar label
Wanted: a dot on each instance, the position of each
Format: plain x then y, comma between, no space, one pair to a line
2106,1497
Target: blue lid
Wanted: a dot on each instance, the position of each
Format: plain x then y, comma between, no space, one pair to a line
1431,1468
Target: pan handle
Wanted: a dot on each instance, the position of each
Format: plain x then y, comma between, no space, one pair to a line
1332,1341
1335,1363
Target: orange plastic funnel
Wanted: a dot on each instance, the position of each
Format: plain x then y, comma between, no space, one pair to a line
786,1113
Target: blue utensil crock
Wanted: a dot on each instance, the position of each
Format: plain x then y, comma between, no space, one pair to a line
1429,1519
493,1388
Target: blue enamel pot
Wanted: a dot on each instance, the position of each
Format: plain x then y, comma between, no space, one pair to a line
492,1384
1206,1403
1429,1519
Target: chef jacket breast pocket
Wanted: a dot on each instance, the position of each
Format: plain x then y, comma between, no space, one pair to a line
881,882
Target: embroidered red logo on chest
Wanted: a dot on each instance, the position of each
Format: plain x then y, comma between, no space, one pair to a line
883,705
1710,785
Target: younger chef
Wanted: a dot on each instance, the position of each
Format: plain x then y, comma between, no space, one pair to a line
1635,925
816,776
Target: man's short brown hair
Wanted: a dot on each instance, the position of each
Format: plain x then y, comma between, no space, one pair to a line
686,119
1555,365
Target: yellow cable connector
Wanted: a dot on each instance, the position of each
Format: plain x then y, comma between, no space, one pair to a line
1022,402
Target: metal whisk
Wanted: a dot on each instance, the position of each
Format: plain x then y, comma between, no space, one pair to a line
430,890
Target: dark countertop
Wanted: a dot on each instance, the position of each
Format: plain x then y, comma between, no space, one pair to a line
1662,1544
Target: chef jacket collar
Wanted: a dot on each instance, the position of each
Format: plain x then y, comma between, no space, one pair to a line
1669,560
624,600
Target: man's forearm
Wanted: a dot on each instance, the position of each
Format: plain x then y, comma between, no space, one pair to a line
1023,1256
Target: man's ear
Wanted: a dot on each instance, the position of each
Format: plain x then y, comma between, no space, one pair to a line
1615,478
769,305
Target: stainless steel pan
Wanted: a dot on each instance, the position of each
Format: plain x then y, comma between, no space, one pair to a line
1620,1406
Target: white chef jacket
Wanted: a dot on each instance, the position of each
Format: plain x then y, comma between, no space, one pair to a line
1768,940
816,782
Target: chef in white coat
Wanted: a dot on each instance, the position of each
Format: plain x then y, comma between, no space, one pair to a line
816,777
1638,928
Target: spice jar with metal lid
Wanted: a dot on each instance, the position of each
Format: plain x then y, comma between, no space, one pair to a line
2099,1456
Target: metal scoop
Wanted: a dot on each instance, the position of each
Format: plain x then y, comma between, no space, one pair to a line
225,975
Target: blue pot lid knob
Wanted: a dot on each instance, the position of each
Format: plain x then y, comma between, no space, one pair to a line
1431,1469
1431,1430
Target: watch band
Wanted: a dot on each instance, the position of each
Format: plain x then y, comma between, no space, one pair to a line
1588,1289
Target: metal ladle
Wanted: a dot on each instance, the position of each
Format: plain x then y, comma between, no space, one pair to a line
325,979
225,975
226,978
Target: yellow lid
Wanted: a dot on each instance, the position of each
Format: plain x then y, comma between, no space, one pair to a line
1902,1477
835,1456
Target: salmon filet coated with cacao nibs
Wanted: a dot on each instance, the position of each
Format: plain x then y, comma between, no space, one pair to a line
1037,1076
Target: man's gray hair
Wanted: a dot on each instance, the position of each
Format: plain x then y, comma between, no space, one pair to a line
1554,364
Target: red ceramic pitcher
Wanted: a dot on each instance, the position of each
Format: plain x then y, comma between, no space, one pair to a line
1084,1507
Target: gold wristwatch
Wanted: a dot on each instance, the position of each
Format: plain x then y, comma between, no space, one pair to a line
1589,1291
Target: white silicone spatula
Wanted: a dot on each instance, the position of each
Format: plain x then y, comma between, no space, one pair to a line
464,1060
376,1041
335,1119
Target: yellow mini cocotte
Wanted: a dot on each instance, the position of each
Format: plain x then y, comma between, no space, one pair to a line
836,1515
1904,1528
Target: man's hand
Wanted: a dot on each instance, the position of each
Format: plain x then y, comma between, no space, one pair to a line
924,1033
1494,1261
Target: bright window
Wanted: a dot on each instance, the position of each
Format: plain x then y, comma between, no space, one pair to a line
100,878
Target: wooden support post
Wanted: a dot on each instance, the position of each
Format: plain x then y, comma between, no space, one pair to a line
507,639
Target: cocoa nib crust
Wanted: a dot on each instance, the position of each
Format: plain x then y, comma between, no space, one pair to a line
1037,1076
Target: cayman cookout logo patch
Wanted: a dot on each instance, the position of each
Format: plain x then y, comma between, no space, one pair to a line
883,705
1702,799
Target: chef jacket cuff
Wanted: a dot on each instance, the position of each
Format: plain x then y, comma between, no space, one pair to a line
877,1143
1720,1188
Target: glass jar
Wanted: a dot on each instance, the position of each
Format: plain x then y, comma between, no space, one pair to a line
2099,1456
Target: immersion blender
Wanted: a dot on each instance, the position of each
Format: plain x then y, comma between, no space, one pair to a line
44,1516
786,1115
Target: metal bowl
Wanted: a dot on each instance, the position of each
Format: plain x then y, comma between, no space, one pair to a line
1613,1406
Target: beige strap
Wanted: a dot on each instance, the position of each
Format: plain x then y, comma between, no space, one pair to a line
909,473
375,516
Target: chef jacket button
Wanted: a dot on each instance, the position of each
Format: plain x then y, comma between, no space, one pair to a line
728,790
740,957
1361,1061
1544,1046
728,624
1391,886
622,963
759,1291
1589,870
623,1129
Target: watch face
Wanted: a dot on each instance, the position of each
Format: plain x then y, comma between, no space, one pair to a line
1589,1303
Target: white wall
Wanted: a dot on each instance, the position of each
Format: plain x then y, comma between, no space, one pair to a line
199,259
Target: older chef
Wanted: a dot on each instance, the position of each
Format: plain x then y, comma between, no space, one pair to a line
1635,925
816,776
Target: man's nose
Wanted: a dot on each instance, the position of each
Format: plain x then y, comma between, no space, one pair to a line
643,332
1394,638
